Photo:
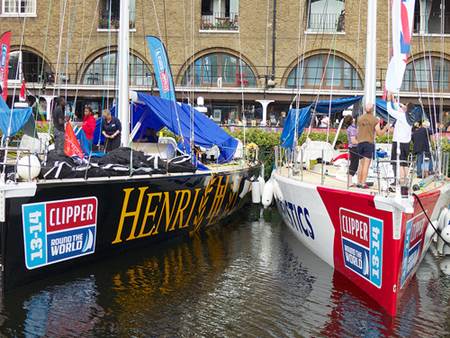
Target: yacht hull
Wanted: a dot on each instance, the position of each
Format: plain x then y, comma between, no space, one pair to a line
66,224
369,240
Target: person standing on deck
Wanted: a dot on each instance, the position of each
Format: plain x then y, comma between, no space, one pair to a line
111,128
58,119
88,125
401,135
421,148
349,124
368,125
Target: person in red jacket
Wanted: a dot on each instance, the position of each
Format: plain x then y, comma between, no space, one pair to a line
88,124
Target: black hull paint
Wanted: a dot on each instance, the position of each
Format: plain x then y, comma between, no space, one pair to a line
132,212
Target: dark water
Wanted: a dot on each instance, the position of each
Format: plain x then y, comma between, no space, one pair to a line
245,278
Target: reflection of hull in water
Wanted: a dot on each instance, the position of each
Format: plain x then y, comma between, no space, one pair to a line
66,224
79,303
360,235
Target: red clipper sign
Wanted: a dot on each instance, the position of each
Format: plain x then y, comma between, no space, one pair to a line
59,230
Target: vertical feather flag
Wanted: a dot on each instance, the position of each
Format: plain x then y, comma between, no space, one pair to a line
5,41
71,145
402,25
161,67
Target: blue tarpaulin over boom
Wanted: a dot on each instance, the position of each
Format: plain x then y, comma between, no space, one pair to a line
335,106
156,113
19,117
304,117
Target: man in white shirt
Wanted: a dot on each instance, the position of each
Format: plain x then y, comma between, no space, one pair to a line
401,135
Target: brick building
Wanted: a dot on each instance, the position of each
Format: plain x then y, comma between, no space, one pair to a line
69,46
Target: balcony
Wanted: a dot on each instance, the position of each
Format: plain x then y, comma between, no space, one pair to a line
220,22
110,20
326,23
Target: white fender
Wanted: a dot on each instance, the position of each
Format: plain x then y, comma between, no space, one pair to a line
236,179
262,183
444,265
445,234
267,196
245,189
256,192
277,191
443,218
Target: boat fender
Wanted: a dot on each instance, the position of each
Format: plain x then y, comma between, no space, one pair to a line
443,239
444,219
256,193
245,189
262,183
444,265
277,191
267,196
236,183
28,167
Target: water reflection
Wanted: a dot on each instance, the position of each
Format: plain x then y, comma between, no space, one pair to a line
250,277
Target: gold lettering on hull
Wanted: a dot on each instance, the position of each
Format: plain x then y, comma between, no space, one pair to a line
145,213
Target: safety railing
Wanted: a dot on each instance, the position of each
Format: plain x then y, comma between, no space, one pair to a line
220,21
293,163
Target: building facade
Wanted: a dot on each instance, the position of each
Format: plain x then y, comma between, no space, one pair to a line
230,52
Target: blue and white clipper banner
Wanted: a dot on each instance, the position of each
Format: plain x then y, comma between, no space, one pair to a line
161,67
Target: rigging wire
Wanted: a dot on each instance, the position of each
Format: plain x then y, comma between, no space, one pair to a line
62,17
174,102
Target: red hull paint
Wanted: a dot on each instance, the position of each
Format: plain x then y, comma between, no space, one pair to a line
386,290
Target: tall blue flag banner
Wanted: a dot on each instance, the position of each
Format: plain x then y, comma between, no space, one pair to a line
161,67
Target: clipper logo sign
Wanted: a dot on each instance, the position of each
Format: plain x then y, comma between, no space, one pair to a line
162,71
59,230
362,244
415,231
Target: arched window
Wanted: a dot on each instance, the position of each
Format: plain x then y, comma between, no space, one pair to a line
217,70
324,71
418,76
29,66
102,71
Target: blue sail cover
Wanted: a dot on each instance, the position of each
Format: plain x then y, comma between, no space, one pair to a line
304,116
156,113
324,107
18,116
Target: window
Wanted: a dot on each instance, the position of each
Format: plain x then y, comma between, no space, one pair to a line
19,7
428,17
326,16
109,16
102,71
219,70
29,66
418,76
220,15
324,71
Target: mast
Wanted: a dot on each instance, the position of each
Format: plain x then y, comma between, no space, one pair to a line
123,54
371,53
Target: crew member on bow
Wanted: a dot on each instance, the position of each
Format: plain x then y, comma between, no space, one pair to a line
401,137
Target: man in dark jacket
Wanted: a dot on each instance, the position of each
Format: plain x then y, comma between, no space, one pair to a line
58,115
421,148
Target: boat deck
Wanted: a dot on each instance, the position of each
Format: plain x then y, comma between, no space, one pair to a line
335,177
